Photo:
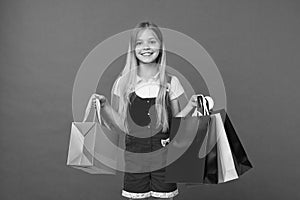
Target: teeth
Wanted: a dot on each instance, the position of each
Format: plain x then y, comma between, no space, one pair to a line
146,54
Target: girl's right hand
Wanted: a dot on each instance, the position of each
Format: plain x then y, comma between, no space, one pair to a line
101,98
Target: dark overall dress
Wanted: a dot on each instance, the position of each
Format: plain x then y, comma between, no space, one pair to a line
145,137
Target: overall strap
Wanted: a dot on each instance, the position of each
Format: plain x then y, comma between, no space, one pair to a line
169,78
168,101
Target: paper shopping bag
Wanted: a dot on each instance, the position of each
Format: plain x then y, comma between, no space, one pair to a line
232,159
194,165
227,133
227,171
91,145
221,156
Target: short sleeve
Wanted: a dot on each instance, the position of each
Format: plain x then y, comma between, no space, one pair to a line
116,87
176,88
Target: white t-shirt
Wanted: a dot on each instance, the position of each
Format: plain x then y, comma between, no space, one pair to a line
150,88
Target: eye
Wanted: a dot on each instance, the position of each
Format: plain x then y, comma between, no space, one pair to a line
152,41
138,43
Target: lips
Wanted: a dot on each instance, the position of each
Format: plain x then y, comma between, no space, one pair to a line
146,53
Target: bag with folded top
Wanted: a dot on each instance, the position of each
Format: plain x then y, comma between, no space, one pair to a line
91,146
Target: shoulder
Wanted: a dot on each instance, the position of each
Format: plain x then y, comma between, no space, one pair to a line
175,87
116,86
173,80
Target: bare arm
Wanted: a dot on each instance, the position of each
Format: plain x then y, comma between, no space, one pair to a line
186,110
109,112
113,116
175,106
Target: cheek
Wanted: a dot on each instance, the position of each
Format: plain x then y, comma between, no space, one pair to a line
156,53
156,48
138,48
136,52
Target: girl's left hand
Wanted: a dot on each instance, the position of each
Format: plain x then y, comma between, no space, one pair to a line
193,101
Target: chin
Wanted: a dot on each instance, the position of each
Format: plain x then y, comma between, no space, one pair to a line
147,60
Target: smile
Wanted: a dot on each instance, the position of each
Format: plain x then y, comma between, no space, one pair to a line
147,53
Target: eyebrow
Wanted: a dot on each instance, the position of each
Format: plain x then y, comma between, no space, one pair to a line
148,39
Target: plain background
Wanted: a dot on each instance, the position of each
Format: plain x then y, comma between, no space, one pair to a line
254,43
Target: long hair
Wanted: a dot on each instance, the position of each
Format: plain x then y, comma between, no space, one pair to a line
127,78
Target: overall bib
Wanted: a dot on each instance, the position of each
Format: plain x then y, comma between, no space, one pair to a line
145,137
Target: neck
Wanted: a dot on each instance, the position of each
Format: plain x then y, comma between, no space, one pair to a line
147,70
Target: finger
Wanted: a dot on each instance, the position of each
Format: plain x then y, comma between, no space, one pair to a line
195,98
91,98
94,96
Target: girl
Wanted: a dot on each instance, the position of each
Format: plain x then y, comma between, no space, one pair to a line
144,83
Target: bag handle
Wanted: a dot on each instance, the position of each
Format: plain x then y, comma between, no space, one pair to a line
202,104
206,106
97,110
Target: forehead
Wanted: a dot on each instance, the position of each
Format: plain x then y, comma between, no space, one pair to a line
146,34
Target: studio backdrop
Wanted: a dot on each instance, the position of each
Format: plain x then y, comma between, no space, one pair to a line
254,44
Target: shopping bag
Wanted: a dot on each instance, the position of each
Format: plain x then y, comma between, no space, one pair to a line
232,159
241,161
91,144
226,166
221,156
191,167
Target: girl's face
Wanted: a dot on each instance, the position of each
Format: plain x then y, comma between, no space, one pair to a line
147,46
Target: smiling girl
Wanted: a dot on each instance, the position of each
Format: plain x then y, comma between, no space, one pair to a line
144,100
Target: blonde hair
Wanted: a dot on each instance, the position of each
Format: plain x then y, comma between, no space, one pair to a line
127,78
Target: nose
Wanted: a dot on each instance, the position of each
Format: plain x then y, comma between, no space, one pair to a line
146,47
